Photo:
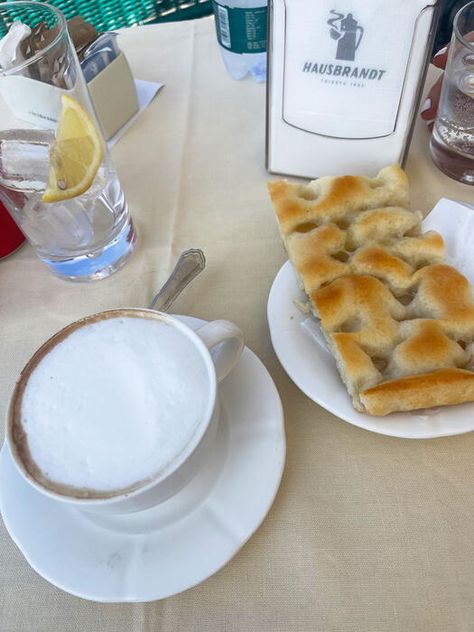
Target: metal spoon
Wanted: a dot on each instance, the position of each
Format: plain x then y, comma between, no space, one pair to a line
189,265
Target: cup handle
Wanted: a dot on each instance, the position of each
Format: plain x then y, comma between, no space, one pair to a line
225,342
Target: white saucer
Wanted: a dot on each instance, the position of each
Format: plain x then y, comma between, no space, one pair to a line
300,347
164,550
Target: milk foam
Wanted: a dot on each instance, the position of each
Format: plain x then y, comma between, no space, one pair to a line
114,403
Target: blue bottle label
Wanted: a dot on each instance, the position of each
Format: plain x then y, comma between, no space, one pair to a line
241,30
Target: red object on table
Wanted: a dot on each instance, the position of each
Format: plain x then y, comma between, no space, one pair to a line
11,236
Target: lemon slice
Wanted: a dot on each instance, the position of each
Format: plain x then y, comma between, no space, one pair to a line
75,155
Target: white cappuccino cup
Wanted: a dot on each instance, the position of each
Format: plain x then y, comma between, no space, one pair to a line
116,412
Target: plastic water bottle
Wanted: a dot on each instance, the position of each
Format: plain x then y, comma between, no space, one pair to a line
241,27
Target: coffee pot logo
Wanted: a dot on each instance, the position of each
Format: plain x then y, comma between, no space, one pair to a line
347,32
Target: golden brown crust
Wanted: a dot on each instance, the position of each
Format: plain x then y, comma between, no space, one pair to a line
440,388
399,321
361,306
312,255
333,199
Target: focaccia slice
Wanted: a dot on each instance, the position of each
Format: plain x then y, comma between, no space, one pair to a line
399,322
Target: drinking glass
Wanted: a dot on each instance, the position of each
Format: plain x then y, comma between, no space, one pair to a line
452,142
90,235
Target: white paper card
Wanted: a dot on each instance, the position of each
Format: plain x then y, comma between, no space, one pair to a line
33,101
345,65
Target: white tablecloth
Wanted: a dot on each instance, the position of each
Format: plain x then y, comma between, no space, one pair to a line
368,533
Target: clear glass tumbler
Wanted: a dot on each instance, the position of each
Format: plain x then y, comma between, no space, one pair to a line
84,230
452,142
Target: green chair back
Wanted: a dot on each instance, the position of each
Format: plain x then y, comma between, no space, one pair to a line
107,15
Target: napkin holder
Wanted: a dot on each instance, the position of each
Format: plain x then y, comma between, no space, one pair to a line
344,83
112,91
113,95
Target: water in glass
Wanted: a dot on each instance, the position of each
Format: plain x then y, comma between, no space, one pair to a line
452,144
72,234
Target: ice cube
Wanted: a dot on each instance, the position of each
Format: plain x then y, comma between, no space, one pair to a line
24,159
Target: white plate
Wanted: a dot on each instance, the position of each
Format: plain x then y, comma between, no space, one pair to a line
312,368
162,551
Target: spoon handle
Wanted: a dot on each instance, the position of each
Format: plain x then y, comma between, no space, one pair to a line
189,265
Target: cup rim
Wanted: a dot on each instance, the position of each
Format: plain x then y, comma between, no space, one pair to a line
169,469
40,53
456,31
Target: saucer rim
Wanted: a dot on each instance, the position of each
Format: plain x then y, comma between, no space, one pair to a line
233,550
